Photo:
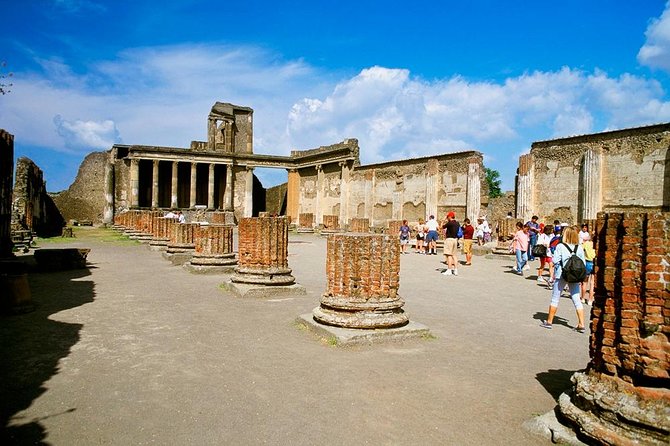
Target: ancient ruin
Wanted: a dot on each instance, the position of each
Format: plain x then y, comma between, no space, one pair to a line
572,179
623,397
263,269
213,250
6,176
363,273
218,174
33,209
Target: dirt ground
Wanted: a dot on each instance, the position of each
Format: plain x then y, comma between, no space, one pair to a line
133,350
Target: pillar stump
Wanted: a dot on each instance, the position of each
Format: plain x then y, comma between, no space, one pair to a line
331,224
623,397
181,246
162,230
306,222
262,269
361,225
213,250
361,304
363,280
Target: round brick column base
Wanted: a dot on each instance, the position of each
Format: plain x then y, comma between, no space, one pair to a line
263,276
363,319
611,411
213,259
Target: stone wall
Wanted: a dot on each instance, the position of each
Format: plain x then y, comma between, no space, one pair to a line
275,199
32,208
85,198
6,177
572,179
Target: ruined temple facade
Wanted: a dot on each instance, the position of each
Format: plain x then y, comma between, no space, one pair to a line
218,175
572,179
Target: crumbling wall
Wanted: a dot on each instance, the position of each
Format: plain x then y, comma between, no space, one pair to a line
632,173
275,199
6,177
85,198
32,208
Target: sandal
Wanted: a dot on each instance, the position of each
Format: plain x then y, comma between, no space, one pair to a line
546,325
580,329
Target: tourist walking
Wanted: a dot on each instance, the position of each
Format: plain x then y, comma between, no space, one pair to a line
432,235
420,236
520,246
481,231
565,250
451,228
544,239
533,232
404,237
588,285
468,234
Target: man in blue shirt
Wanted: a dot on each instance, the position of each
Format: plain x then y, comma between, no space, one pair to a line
533,233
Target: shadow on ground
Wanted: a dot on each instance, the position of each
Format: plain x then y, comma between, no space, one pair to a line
555,381
31,347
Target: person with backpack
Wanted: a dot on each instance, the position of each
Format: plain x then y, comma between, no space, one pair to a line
404,237
570,270
451,230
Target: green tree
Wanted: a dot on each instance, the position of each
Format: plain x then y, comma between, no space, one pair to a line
493,180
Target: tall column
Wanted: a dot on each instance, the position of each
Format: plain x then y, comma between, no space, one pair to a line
134,182
592,192
210,188
344,192
293,195
211,134
432,186
473,198
319,194
108,212
369,194
249,193
194,178
174,185
228,192
154,185
6,188
524,196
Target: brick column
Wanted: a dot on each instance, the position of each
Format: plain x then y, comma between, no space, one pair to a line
263,252
394,227
181,246
623,397
363,281
213,249
306,220
432,186
194,180
162,230
331,222
359,225
174,203
134,182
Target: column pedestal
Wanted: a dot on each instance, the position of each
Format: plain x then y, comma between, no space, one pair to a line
213,250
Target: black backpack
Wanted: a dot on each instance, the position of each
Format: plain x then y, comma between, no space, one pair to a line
574,269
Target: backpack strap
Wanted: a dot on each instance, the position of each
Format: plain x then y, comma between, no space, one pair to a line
568,248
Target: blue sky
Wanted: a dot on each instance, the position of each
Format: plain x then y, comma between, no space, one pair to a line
406,79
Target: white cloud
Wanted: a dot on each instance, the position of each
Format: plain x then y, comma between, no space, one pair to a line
655,52
161,96
87,134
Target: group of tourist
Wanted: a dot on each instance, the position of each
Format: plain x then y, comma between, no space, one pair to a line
455,235
176,215
555,246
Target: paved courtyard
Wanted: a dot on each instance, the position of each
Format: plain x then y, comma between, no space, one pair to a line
136,351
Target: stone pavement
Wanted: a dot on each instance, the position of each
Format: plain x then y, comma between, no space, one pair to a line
134,350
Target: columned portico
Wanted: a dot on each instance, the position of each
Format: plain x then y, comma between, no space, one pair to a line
154,185
249,193
210,188
175,184
134,182
194,177
228,192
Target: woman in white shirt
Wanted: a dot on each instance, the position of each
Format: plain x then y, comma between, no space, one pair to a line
561,255
544,239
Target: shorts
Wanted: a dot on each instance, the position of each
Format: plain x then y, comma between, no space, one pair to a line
451,247
404,241
431,236
467,246
589,267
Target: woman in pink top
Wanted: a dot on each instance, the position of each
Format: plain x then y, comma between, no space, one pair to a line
520,244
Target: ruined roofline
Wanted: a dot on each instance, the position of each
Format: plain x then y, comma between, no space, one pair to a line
610,134
444,156
226,109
